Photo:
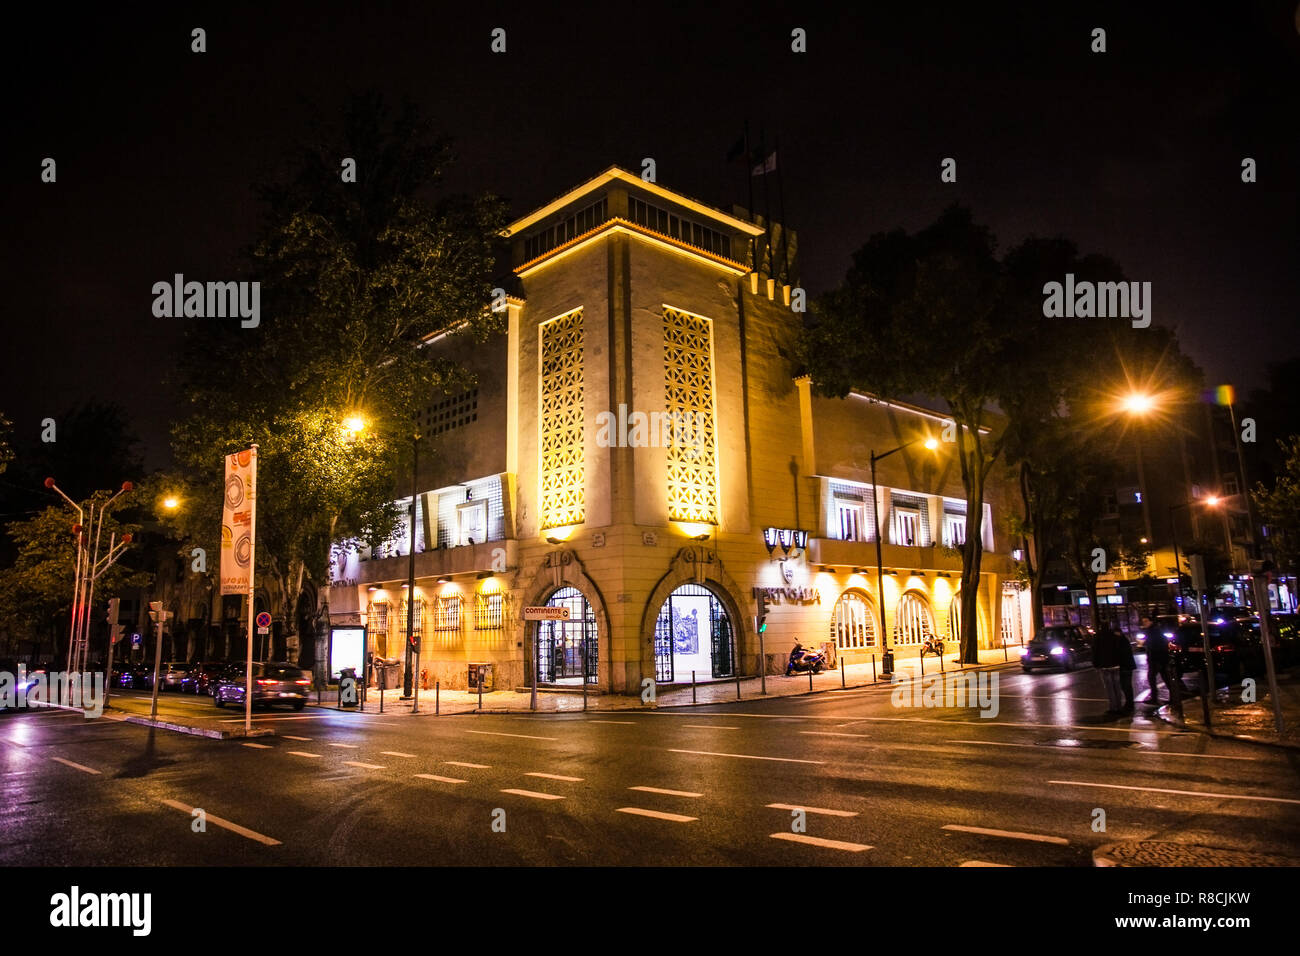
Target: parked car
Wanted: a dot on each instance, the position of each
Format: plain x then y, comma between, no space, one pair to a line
1236,648
201,676
10,701
133,677
1066,646
1286,627
273,683
172,674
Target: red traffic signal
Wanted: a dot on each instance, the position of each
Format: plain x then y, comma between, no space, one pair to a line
49,482
127,486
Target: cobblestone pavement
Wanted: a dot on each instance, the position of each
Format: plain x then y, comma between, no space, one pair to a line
1157,853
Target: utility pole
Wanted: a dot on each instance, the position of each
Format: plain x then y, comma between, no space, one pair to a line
159,617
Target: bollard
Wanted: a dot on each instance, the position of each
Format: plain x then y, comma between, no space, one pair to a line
842,674
480,691
810,680
693,687
737,683
921,657
1005,656
873,668
437,697
584,694
941,662
381,698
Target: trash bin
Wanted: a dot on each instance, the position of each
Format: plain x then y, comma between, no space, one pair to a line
388,673
480,673
349,687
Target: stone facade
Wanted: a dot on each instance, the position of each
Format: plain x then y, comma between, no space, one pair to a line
624,316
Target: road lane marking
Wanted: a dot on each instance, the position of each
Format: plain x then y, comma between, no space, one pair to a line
981,863
292,737
807,809
434,776
497,733
461,763
1009,834
75,766
657,814
302,753
830,733
1183,793
820,841
710,753
535,794
258,746
709,727
225,824
629,722
395,753
555,776
346,746
363,766
670,793
1149,753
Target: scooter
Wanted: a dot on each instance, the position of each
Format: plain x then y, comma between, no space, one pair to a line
803,660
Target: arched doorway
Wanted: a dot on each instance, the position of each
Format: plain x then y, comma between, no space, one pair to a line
853,622
913,622
954,622
568,650
693,633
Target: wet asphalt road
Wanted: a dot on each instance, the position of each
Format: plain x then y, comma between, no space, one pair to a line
876,785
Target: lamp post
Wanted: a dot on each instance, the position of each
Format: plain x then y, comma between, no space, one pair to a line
887,655
408,679
1138,404
1211,501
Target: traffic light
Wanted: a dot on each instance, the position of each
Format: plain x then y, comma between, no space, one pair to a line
113,605
760,622
117,632
155,611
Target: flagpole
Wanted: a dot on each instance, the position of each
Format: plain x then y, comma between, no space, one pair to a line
785,225
749,177
252,567
767,202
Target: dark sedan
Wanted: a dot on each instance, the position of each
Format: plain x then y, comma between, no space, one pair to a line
273,683
202,676
1065,646
1235,648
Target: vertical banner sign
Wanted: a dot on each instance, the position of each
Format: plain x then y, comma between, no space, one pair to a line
238,535
237,523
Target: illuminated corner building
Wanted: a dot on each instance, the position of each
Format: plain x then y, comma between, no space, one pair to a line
632,434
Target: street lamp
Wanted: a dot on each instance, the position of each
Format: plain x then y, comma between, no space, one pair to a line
408,678
1211,501
1138,405
887,654
171,502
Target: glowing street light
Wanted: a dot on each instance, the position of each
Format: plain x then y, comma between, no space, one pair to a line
171,502
1137,403
355,424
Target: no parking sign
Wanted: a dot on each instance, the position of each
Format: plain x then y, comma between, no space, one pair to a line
263,623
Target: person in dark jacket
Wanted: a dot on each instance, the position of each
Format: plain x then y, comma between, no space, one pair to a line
1106,658
1159,665
1127,665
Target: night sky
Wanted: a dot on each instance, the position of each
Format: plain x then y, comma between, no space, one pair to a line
1135,153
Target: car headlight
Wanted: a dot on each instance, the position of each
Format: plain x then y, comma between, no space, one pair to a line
1057,651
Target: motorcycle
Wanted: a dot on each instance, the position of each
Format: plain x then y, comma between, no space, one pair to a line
803,660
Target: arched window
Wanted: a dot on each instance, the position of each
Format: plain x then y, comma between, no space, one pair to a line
912,621
853,622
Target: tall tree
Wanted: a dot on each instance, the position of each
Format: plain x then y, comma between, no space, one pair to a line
925,313
356,276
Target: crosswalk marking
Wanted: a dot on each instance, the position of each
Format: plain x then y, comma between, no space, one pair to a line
656,814
821,841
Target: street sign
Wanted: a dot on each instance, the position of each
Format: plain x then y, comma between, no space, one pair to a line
263,622
546,614
136,640
263,630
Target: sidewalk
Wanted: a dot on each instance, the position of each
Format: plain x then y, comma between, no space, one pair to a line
713,692
1232,720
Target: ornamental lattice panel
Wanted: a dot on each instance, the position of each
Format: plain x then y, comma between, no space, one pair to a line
688,384
562,460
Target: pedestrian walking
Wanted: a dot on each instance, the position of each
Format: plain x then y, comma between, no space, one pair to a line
1159,666
1127,665
1106,659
